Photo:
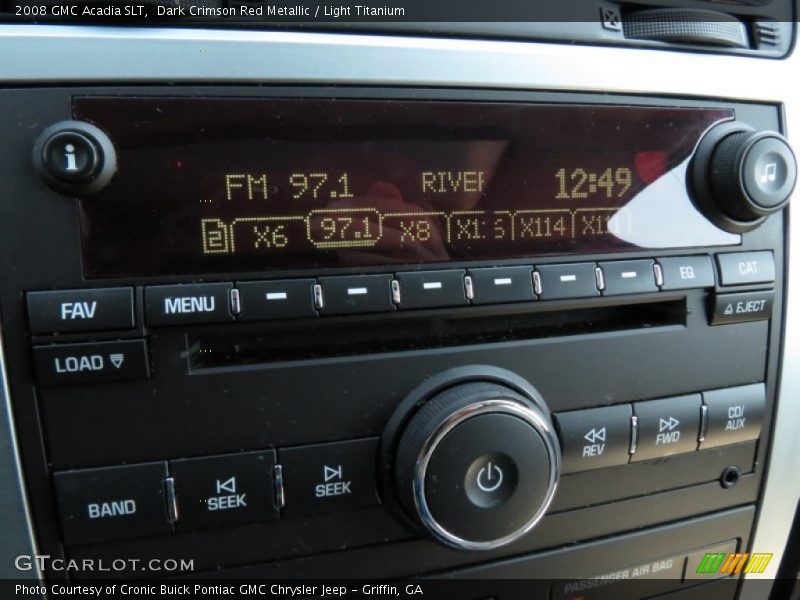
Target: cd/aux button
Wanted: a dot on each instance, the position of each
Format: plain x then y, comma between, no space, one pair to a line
734,414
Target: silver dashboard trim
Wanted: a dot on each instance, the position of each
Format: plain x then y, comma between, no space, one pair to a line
16,530
59,54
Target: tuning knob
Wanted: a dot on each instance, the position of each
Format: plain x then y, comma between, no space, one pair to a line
476,465
742,175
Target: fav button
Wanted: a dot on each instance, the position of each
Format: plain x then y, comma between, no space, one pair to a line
67,311
628,277
734,414
230,489
97,505
668,426
594,438
576,280
502,284
92,362
430,289
185,304
740,268
686,272
329,477
283,299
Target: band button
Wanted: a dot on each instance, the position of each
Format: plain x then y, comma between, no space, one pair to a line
188,304
96,362
97,505
329,477
67,311
230,489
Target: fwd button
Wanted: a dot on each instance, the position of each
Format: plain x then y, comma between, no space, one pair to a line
329,477
666,427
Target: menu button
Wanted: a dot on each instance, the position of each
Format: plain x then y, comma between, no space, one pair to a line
185,304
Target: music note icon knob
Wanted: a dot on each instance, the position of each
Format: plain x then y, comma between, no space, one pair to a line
743,175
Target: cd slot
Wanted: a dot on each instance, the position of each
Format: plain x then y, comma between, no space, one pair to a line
289,341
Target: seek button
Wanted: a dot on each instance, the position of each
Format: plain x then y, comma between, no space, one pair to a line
222,490
329,477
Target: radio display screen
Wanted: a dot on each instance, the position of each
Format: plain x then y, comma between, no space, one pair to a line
216,185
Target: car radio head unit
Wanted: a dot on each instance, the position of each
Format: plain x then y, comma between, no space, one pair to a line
397,322
224,185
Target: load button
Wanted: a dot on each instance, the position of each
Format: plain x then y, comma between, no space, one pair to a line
329,477
91,363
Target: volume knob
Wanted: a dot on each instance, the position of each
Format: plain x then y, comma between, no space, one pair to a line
743,175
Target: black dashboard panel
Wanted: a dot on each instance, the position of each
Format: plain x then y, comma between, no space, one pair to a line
138,398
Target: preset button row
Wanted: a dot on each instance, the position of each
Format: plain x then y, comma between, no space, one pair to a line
188,494
110,309
360,294
616,435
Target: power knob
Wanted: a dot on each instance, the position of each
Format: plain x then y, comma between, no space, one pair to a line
741,176
477,461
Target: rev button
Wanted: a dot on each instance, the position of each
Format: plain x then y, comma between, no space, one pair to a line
91,363
594,438
224,490
186,304
67,311
329,477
